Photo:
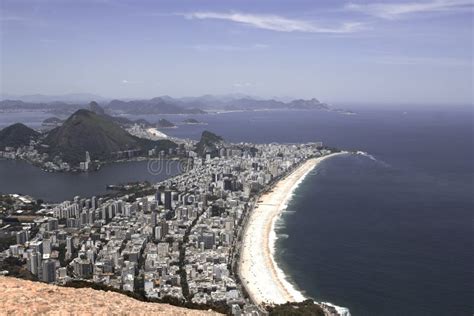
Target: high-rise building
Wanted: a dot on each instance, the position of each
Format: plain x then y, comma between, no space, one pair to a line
33,262
127,210
14,250
49,271
164,227
120,207
94,202
100,201
158,197
84,218
209,239
21,237
227,184
37,246
158,233
91,255
68,247
163,249
46,246
145,205
168,200
82,267
86,164
154,218
161,230
53,224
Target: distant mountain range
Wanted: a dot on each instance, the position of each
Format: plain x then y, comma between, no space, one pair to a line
153,106
67,104
62,98
211,103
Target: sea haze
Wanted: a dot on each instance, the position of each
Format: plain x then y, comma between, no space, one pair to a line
388,235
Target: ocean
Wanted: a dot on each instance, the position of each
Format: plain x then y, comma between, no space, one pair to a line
379,240
23,178
384,233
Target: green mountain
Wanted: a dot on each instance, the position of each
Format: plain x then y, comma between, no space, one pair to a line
99,135
191,121
164,123
208,144
16,135
52,121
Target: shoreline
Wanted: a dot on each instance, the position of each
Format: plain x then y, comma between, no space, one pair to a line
264,280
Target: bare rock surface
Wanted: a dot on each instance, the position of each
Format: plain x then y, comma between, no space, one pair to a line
21,297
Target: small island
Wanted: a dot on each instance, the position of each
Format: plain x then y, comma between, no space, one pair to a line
192,121
164,123
52,122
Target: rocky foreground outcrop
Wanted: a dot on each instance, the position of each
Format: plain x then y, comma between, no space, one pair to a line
21,297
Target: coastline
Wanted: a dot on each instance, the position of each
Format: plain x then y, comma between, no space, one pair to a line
263,279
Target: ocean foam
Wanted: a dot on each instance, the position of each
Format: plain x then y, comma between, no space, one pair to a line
342,311
365,154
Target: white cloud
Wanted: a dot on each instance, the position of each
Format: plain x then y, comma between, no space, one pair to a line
131,82
242,84
275,22
12,18
430,61
392,11
228,48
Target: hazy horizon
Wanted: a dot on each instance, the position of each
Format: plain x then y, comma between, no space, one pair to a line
103,100
398,52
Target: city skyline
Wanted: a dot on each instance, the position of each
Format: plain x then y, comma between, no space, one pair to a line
416,52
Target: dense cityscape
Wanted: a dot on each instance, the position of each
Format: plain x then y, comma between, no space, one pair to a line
180,244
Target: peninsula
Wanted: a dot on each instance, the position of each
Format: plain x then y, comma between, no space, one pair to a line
202,239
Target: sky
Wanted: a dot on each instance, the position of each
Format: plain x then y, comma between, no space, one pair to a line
386,52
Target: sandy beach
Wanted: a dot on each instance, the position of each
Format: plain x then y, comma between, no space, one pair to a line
263,279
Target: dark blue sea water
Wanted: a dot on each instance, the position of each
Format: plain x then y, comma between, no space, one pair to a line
388,235
380,239
385,236
22,178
